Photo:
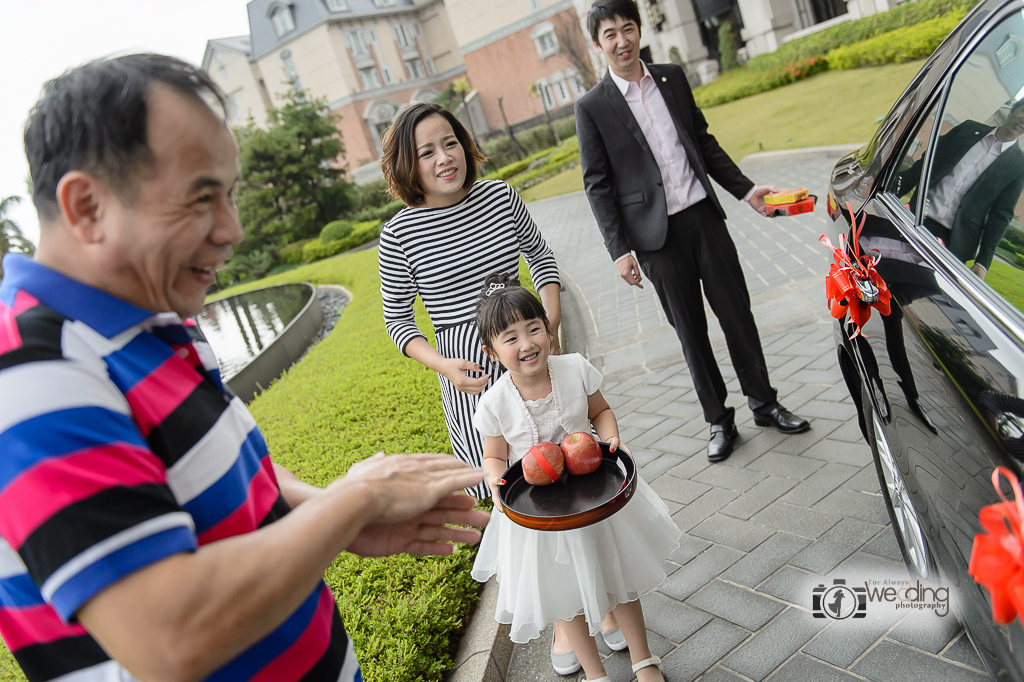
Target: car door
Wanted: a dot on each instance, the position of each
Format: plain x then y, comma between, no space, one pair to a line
942,372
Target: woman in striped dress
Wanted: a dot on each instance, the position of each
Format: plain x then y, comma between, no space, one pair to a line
455,231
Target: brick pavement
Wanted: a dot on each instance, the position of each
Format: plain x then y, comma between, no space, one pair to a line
783,513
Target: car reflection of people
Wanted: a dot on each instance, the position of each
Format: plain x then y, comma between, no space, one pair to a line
977,178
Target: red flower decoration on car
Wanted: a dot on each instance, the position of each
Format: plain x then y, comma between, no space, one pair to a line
997,556
853,287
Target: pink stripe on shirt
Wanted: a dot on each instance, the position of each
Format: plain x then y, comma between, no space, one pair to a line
300,657
262,496
160,393
23,301
10,337
48,487
34,625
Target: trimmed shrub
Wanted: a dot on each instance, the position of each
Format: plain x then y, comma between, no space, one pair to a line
358,234
901,45
292,253
745,82
727,56
383,213
338,229
850,32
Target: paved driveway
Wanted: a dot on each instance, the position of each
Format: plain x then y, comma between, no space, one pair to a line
783,514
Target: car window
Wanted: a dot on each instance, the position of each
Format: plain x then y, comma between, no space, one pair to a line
972,199
907,178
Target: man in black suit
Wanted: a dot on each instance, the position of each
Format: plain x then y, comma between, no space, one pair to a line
646,155
977,177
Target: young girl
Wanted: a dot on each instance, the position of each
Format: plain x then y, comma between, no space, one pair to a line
579,575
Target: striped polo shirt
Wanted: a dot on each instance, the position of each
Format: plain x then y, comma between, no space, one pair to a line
120,446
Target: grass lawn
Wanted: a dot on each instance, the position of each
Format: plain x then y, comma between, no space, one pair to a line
1008,281
834,107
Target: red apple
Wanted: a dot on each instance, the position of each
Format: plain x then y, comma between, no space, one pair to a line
543,464
582,453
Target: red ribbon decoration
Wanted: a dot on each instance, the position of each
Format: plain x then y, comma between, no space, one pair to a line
997,557
853,287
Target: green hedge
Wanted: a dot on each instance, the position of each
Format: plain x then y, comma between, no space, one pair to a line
359,234
382,213
807,56
292,253
555,160
849,32
745,82
901,45
334,230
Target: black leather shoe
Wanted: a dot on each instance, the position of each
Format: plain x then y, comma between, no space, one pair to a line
782,419
722,440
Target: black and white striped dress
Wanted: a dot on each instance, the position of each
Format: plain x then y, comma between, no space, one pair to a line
444,255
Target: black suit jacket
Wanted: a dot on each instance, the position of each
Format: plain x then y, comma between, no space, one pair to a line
986,208
622,179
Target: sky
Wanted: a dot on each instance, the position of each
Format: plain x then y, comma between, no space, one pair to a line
40,39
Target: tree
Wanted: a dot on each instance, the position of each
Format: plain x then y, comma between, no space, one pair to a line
676,58
11,238
728,58
536,91
290,186
574,45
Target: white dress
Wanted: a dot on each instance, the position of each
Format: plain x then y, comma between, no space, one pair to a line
545,576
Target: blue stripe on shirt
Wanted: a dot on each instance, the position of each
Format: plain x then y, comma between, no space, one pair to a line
136,361
94,578
231,490
60,433
271,646
19,591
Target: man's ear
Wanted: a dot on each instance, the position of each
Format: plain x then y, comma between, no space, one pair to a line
82,199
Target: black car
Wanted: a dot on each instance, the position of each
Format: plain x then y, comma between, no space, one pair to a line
939,381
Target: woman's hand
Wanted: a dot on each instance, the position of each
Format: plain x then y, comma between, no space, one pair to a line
454,369
614,444
493,482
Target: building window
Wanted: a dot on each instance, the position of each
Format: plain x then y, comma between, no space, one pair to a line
535,5
544,38
403,35
415,68
337,5
384,3
576,85
282,20
561,91
373,35
289,68
431,69
545,94
388,78
356,42
370,78
236,112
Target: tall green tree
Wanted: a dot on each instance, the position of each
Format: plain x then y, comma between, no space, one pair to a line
290,185
11,238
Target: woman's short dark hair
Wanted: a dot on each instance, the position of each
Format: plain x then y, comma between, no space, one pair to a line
400,162
93,119
503,302
607,10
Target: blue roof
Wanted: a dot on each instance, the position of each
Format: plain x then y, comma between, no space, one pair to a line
307,14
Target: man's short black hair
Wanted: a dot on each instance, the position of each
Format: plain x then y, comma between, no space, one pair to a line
607,10
1015,106
93,119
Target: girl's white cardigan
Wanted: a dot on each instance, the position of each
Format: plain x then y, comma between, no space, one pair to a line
502,411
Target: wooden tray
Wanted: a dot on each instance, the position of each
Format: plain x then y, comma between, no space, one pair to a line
573,501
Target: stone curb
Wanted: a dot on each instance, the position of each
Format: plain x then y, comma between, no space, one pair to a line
486,649
825,153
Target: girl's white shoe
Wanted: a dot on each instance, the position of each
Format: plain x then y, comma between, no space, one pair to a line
653,660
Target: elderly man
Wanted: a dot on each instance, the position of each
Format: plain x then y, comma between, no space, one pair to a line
145,531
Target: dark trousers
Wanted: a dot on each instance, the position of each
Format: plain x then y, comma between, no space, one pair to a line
699,250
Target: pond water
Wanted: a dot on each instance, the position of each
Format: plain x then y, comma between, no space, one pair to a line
240,327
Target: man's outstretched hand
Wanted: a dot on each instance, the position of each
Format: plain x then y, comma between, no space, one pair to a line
756,199
415,500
